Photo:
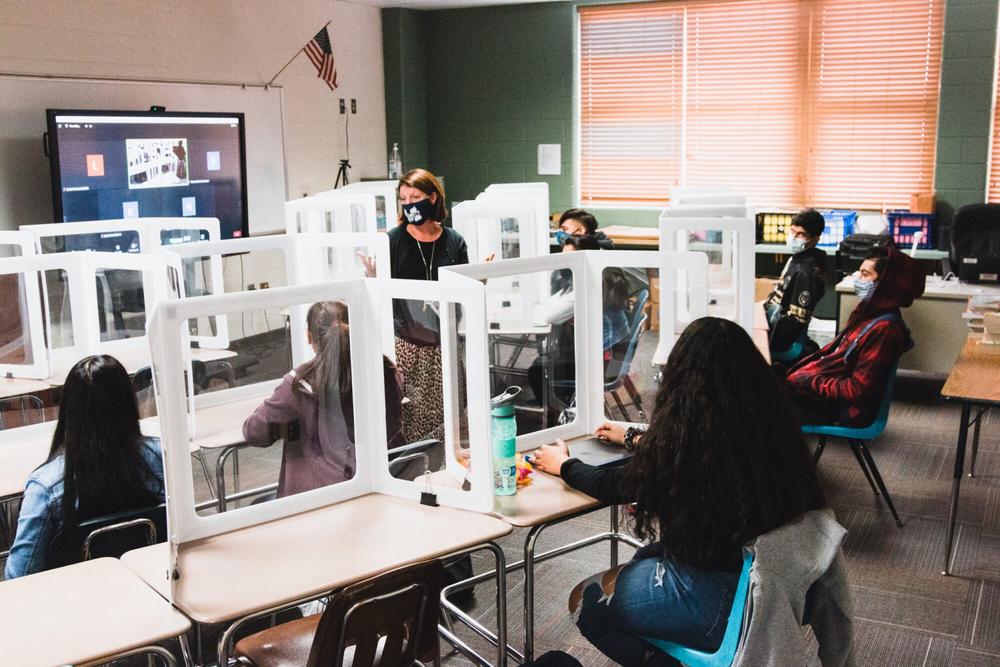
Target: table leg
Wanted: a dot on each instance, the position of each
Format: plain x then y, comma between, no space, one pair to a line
529,591
614,531
963,433
975,441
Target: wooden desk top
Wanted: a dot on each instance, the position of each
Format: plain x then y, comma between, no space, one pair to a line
545,499
976,374
132,359
17,386
80,614
216,426
18,460
229,576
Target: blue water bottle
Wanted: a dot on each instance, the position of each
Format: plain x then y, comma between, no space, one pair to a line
503,432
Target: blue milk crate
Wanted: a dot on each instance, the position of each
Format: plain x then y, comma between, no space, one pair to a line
903,225
839,225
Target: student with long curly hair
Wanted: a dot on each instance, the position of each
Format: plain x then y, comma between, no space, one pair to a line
723,462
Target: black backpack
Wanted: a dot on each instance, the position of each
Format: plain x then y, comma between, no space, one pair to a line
975,243
853,250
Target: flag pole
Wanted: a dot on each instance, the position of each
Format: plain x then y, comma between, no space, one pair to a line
268,84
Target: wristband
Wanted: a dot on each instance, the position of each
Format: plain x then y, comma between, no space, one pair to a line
631,433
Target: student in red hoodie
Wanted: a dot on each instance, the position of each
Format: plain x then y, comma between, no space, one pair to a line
843,382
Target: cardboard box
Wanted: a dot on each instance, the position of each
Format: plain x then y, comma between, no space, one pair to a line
922,202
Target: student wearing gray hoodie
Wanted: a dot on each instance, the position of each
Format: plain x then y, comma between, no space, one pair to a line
722,467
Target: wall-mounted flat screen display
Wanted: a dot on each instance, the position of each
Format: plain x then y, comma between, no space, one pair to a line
108,165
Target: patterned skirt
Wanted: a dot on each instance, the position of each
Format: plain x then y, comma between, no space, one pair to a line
423,415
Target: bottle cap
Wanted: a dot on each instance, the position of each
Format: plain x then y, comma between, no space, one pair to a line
503,404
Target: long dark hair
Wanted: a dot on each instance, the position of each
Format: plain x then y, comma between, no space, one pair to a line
328,325
98,436
724,459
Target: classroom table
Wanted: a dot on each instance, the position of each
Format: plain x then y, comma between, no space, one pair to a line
88,613
237,576
12,386
133,359
974,382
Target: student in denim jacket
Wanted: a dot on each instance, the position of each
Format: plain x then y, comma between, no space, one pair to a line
99,464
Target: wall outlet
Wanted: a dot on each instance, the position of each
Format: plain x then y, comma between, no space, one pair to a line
343,106
354,105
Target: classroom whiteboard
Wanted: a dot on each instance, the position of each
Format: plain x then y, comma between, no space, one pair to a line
25,181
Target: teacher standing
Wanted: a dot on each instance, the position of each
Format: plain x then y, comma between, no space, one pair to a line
418,247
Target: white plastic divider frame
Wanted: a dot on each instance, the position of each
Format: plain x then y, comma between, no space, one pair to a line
535,194
471,297
709,199
303,265
23,240
387,192
673,236
152,239
309,214
31,307
90,227
587,268
362,297
81,269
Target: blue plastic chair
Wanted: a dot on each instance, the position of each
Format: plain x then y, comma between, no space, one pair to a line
724,655
793,352
856,438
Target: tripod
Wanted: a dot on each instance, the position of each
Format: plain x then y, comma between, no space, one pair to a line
342,178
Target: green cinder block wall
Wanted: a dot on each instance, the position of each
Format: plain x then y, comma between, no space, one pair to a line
498,81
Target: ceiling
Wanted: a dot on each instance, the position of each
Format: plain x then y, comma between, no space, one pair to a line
443,4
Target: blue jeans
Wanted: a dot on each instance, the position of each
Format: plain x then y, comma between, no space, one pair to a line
654,597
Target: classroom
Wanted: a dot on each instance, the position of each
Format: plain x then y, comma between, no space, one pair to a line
500,332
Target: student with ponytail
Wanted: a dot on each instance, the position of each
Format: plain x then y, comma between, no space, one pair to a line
312,410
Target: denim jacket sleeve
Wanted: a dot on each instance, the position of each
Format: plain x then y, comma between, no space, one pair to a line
35,529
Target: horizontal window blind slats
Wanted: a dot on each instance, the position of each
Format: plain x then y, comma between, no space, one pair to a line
736,93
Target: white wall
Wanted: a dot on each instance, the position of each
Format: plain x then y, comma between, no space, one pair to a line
221,41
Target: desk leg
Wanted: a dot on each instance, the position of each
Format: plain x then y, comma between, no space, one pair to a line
614,531
963,433
529,591
975,441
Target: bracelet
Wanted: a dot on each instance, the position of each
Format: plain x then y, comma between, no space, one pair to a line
631,434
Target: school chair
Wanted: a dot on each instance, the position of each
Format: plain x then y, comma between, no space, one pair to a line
793,352
390,619
724,655
25,404
621,354
110,535
857,437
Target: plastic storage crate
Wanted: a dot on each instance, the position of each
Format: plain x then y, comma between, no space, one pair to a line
903,225
772,226
839,225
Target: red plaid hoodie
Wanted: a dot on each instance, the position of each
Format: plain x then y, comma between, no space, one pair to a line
854,379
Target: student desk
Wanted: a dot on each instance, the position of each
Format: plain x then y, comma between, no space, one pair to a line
132,359
87,613
257,570
12,386
973,382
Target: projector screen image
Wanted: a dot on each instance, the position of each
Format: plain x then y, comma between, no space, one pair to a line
108,165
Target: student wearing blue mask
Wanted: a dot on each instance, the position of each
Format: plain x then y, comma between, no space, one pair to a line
790,305
577,222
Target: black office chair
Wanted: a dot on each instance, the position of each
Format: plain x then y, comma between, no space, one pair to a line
110,535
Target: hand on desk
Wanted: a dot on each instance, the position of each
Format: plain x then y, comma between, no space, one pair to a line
611,432
549,458
490,257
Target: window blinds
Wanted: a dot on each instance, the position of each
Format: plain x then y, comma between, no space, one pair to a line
826,102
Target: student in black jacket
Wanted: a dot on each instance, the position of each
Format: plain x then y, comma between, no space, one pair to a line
577,222
790,305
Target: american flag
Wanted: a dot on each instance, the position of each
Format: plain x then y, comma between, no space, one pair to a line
321,55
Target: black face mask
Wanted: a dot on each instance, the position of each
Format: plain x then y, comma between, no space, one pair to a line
418,212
